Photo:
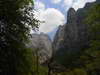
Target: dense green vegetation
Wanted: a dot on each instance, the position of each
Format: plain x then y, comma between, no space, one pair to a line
16,19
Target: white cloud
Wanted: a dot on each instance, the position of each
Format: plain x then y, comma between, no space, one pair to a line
80,3
39,10
52,18
68,2
39,6
56,1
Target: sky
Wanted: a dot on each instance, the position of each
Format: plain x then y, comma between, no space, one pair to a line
53,13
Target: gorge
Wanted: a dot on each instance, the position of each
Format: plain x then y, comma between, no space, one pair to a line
70,38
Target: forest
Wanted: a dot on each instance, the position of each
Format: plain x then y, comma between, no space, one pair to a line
77,53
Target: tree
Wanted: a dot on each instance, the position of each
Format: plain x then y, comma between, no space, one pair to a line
16,20
90,58
93,20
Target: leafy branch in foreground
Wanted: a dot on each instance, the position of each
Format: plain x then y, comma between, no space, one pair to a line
16,20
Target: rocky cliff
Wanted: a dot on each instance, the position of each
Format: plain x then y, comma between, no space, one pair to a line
58,39
73,36
43,44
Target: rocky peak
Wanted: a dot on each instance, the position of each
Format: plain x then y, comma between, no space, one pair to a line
58,39
71,15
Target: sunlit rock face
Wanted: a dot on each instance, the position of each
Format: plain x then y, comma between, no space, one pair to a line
73,36
43,44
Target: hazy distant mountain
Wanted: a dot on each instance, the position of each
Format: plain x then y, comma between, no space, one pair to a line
52,33
42,43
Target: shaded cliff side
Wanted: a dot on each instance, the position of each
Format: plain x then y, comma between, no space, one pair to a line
72,38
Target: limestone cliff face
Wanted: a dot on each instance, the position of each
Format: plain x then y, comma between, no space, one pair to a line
73,36
71,31
67,35
67,38
43,44
58,40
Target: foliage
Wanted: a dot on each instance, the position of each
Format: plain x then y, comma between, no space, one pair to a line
16,20
94,33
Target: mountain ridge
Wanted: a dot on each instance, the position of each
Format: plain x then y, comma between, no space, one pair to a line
75,35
